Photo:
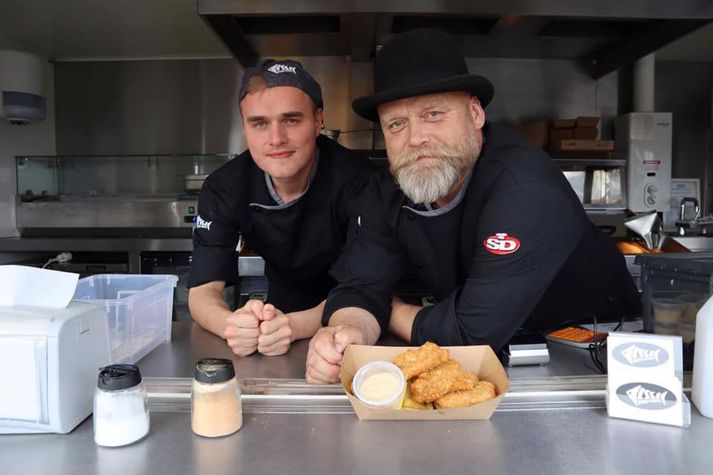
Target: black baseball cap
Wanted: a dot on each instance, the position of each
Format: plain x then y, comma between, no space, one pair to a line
284,73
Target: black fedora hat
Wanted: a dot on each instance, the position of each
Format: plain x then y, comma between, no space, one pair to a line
420,62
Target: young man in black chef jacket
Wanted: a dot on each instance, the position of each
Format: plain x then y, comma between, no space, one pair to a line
492,226
292,197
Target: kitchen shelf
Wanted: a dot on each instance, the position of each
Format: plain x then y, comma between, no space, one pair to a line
590,162
46,177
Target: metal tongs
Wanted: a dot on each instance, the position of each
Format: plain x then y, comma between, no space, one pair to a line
648,227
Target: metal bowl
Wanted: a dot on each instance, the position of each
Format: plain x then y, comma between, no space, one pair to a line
193,183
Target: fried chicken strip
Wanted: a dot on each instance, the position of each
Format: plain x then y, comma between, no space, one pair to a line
482,392
427,356
443,379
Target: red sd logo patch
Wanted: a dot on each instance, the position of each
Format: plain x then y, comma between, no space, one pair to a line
501,244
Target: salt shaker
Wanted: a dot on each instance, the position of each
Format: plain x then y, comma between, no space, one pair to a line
215,399
121,414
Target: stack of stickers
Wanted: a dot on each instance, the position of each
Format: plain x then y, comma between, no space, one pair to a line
645,379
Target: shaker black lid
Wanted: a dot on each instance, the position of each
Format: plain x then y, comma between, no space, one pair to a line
118,376
214,370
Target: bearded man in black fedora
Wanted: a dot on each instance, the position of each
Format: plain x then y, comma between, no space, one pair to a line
489,221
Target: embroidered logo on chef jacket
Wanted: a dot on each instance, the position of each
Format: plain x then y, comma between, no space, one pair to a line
282,68
501,244
646,396
202,223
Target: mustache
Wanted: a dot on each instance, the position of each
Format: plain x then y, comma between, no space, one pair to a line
438,151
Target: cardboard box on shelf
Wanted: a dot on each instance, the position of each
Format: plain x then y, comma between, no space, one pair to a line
583,121
479,360
563,123
582,145
557,135
588,133
537,132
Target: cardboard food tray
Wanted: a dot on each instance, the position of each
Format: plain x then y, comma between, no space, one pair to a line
480,360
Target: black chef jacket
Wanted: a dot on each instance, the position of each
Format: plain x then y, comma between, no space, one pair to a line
299,240
513,249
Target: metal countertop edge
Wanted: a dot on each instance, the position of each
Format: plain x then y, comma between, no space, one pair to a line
295,396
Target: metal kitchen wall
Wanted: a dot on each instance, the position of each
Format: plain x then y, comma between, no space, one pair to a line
532,89
34,139
685,89
189,106
144,107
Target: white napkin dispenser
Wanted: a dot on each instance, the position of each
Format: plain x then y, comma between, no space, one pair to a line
49,361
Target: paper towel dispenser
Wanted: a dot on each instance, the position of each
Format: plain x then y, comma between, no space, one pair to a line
49,359
22,89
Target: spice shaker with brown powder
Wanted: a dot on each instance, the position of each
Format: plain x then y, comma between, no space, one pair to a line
215,399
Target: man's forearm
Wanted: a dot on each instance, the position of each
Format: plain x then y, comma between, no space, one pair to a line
208,309
305,323
359,318
402,318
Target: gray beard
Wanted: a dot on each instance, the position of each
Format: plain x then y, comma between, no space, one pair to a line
427,184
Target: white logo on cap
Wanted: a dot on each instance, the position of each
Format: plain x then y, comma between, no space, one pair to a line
282,68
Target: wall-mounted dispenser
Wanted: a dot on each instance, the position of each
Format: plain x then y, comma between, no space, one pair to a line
22,87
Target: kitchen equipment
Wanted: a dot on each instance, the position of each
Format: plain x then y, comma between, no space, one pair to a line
697,225
111,195
121,411
48,363
684,222
22,87
598,179
194,182
527,348
675,287
645,138
648,227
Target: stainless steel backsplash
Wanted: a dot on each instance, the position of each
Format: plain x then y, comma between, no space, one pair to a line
190,106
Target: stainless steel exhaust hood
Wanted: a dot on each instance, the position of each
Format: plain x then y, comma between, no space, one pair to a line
603,34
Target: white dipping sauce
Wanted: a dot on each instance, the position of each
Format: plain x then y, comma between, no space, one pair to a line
380,386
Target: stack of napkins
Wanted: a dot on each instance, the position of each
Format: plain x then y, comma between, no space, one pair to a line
645,379
24,285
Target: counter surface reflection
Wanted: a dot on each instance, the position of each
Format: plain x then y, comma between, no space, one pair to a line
316,432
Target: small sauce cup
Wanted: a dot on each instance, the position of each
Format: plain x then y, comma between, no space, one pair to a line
393,399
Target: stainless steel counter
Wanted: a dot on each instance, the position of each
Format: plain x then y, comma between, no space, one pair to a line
550,422
190,343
